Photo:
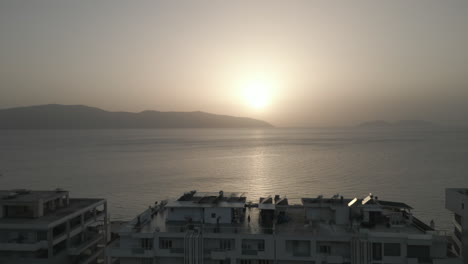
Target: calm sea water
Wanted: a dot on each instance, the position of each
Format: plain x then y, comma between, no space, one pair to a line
135,168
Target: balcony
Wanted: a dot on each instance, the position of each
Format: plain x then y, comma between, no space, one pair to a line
90,241
15,246
89,258
114,250
221,254
301,254
250,252
177,250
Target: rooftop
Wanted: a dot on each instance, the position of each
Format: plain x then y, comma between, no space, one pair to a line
74,208
293,218
209,199
28,196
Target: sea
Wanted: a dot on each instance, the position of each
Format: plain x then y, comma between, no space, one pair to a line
134,168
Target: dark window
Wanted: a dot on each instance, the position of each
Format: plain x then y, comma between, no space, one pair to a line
41,235
458,219
422,253
463,206
213,215
225,244
325,249
147,243
377,251
165,243
392,249
261,245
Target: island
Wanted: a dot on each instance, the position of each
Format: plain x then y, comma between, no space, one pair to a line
56,116
398,124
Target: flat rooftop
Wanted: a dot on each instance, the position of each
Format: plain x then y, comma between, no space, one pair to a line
209,199
74,208
296,225
28,196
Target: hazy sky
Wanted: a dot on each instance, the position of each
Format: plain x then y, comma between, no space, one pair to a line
303,62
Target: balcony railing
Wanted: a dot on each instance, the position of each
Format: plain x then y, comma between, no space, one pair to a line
251,252
176,250
89,258
138,250
90,241
301,254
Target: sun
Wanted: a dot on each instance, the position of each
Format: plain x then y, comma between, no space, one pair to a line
257,94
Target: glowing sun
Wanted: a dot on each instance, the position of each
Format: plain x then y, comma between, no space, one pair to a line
257,94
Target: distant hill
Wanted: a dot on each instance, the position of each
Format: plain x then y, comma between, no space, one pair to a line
56,116
398,124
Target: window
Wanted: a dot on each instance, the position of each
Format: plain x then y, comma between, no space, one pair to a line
165,243
253,244
392,249
246,261
261,245
422,253
213,215
298,248
41,235
147,243
324,249
458,219
463,206
225,244
377,251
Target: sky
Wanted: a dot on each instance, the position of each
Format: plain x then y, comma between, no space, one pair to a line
291,63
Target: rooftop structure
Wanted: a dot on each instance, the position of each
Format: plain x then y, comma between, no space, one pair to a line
49,227
225,228
456,200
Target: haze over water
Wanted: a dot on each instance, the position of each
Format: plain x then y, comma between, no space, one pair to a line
135,168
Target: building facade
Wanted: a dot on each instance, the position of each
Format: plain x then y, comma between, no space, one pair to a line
223,228
456,200
39,227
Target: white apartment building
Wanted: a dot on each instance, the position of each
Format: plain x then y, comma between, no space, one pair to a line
456,200
39,227
223,228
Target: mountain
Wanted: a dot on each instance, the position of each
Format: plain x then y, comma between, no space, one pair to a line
398,124
56,116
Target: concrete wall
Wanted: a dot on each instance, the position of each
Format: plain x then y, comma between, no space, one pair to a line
342,215
320,214
456,202
182,214
224,214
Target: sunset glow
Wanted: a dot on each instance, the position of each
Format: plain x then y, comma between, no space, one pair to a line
257,93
